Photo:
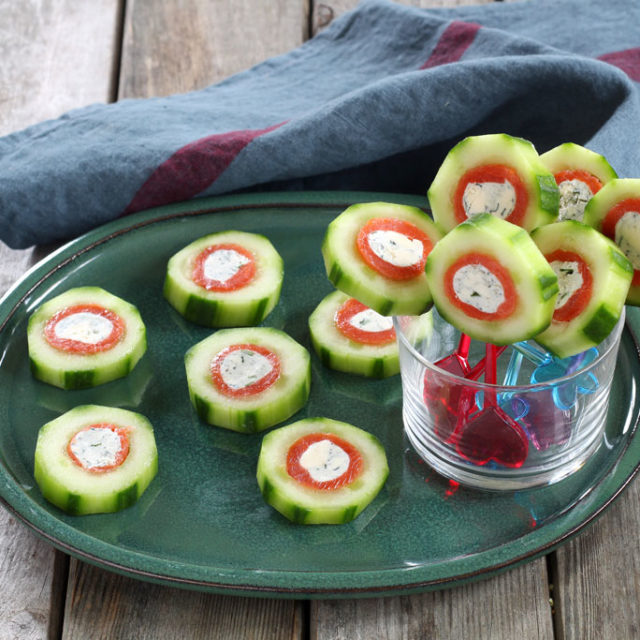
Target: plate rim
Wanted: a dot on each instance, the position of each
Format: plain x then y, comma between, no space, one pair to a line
374,583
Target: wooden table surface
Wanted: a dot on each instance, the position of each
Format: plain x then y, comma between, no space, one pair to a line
61,54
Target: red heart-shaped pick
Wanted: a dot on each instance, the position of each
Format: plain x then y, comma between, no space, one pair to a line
491,434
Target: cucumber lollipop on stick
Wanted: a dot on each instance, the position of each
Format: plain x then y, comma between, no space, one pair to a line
490,281
580,173
615,212
375,252
593,278
497,174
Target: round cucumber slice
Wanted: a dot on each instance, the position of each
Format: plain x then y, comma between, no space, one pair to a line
321,471
78,490
248,379
490,281
593,280
497,174
375,357
615,212
580,173
226,279
85,337
375,252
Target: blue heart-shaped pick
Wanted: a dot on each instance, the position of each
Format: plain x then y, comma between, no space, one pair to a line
565,394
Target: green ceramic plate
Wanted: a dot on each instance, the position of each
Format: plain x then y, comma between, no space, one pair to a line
202,523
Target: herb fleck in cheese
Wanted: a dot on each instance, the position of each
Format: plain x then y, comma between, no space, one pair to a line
84,326
574,195
475,285
243,367
496,198
370,320
324,461
223,264
395,248
569,280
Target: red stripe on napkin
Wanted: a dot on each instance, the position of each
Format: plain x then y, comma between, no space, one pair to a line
627,60
192,168
455,40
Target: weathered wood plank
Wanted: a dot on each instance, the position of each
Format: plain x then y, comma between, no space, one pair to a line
101,605
597,576
173,47
511,605
184,45
55,56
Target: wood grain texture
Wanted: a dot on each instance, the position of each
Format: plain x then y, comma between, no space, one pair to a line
103,606
597,576
56,55
181,45
325,12
512,605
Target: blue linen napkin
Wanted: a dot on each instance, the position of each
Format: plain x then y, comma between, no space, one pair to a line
374,103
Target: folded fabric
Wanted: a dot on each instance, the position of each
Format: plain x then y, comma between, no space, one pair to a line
374,102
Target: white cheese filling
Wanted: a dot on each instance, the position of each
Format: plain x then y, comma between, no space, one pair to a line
223,264
570,280
395,248
475,285
497,198
627,236
244,367
574,195
370,321
84,326
324,461
96,447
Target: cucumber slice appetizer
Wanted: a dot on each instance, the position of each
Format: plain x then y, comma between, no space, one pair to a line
226,279
349,336
593,278
248,379
321,471
497,174
580,173
95,459
490,281
85,337
375,252
615,212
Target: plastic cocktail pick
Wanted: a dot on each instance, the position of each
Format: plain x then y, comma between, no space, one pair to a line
491,434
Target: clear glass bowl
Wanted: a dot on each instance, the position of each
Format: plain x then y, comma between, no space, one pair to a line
540,423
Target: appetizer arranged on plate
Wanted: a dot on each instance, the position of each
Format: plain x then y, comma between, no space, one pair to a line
85,337
225,279
321,471
95,459
248,379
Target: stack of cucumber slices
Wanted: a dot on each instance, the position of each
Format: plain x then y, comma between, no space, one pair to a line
521,246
